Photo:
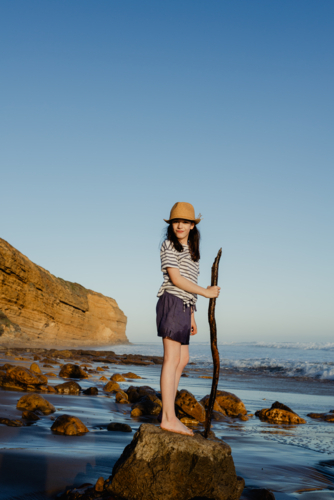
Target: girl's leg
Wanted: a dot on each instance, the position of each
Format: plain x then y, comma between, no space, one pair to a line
172,357
184,359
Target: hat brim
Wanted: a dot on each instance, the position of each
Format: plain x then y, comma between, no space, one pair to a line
196,221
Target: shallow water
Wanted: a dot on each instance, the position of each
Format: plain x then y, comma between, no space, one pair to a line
36,464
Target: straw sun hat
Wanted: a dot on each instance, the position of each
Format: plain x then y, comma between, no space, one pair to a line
183,210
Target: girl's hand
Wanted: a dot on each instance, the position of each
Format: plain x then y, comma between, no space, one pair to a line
212,292
193,328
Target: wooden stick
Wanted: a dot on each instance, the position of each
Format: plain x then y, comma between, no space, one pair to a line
214,349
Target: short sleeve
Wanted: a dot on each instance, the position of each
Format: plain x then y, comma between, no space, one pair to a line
168,256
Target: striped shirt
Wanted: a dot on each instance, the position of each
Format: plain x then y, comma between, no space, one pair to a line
188,269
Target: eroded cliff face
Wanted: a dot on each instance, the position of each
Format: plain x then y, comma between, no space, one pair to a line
36,308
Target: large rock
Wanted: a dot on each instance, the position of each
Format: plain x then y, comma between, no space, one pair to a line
36,308
229,402
189,405
149,404
72,371
68,388
276,414
136,393
33,402
22,379
68,425
162,465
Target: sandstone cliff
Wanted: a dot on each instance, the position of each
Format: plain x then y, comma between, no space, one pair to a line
36,308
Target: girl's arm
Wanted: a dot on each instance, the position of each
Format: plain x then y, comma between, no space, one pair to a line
211,292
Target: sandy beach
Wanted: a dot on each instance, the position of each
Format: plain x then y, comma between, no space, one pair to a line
293,461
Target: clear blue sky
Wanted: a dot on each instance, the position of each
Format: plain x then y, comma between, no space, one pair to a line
112,111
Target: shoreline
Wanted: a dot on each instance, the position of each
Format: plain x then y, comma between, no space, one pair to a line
283,458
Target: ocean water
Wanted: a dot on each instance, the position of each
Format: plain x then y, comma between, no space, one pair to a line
308,360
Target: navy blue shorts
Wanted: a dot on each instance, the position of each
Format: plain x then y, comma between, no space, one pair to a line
173,319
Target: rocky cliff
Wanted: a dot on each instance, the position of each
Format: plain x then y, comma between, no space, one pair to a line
36,308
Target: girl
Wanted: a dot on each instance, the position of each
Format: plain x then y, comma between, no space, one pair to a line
176,305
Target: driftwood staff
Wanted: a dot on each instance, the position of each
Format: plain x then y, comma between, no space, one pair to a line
214,349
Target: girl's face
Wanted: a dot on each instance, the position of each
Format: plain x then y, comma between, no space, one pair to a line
182,229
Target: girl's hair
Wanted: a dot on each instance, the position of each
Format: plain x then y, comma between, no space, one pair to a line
193,241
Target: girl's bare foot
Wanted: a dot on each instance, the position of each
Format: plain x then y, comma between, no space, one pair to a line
176,426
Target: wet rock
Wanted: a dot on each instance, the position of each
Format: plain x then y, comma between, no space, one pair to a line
99,485
11,423
91,391
29,415
35,368
68,425
68,388
149,404
47,366
111,387
33,402
50,374
99,369
277,415
131,375
281,406
229,402
187,467
36,357
326,417
216,406
136,393
117,377
103,378
72,371
116,426
189,404
51,389
184,375
21,379
122,397
205,376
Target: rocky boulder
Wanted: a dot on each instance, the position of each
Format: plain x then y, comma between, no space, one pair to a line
131,375
161,465
34,367
149,404
216,406
111,387
91,391
276,414
68,388
117,377
68,425
136,393
32,402
189,405
229,402
122,397
22,379
72,371
11,422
